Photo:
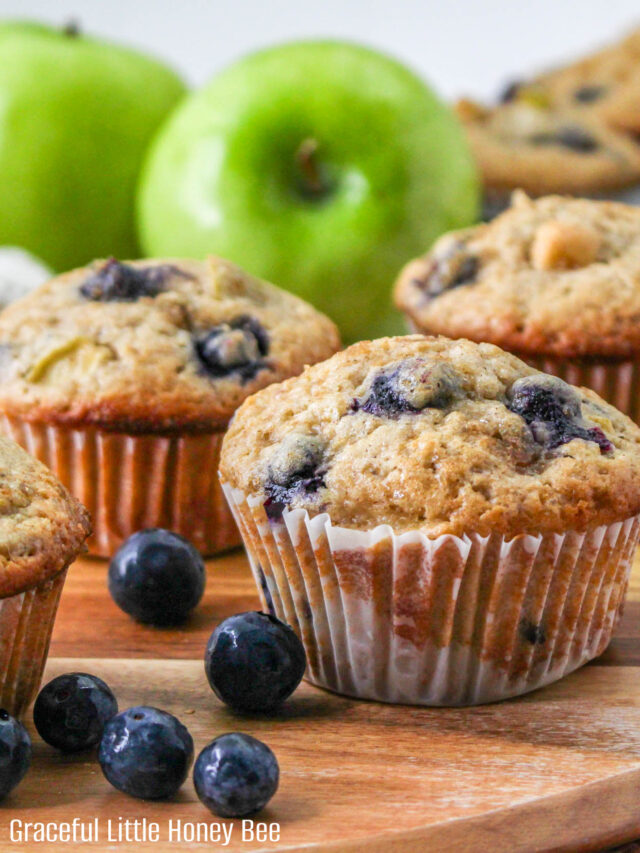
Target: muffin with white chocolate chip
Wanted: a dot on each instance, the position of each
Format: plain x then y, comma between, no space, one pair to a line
122,378
554,280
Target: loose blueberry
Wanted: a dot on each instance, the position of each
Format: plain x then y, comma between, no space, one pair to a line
157,577
236,775
572,136
589,93
146,753
297,467
451,268
553,412
254,662
235,348
15,752
410,387
118,282
71,711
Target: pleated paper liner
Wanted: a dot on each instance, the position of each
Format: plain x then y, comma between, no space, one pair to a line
450,621
617,382
26,623
131,482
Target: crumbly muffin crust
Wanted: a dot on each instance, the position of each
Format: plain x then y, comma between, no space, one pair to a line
435,435
570,130
42,527
552,276
152,346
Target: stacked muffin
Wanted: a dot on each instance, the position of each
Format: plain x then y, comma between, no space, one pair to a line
122,378
441,523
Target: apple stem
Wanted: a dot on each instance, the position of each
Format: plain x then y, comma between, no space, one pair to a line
72,28
312,183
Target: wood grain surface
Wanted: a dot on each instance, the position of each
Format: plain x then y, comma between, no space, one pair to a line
556,770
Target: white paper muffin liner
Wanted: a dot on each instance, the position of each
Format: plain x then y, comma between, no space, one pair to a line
131,482
26,623
449,621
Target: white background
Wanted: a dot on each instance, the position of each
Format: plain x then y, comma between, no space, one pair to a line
461,46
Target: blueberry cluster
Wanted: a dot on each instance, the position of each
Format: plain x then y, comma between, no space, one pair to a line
253,663
118,282
553,412
237,348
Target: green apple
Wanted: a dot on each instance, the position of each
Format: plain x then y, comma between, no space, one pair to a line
321,166
76,118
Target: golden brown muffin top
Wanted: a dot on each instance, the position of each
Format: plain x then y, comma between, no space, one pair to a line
554,276
439,436
42,528
152,346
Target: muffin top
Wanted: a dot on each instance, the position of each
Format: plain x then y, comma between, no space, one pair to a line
435,435
152,346
569,130
41,526
556,276
546,150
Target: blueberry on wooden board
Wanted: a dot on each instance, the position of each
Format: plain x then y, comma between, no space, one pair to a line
157,576
236,775
71,711
146,753
254,662
15,752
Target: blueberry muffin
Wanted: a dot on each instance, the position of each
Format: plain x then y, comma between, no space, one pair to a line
42,530
440,522
554,280
122,377
570,130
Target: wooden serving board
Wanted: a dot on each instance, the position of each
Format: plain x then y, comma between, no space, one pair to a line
556,770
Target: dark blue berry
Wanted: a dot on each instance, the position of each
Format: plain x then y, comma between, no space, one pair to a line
146,753
589,93
451,268
532,633
572,137
236,348
15,752
236,775
510,91
552,410
254,662
157,577
118,282
410,387
297,467
71,711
